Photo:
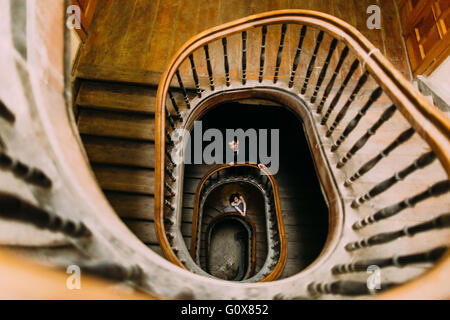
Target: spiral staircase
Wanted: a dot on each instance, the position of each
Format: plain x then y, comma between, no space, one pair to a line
97,185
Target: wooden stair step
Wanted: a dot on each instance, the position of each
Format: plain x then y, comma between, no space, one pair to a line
119,151
116,124
156,248
117,96
144,230
131,180
134,206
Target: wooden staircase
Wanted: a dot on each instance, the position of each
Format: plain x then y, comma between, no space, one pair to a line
116,124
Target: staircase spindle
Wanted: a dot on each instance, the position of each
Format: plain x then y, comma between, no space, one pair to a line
262,57
175,105
169,174
169,189
280,53
6,113
208,65
114,271
387,114
324,70
15,209
244,57
169,157
347,288
170,119
169,204
419,163
362,80
354,122
395,261
169,140
340,91
402,138
435,190
19,169
440,222
225,61
330,84
195,76
312,62
297,55
180,83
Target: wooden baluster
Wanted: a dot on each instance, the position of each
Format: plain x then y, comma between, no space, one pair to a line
169,189
263,53
340,91
169,157
244,57
280,53
330,84
395,261
324,70
114,271
312,62
195,76
347,288
297,55
402,138
419,163
34,176
169,140
180,83
353,123
170,119
225,61
18,210
435,190
6,114
362,80
208,65
440,222
387,114
175,106
169,174
169,204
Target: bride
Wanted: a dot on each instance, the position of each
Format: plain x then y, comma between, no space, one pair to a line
237,202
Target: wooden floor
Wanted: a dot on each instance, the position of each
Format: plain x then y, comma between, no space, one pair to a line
135,39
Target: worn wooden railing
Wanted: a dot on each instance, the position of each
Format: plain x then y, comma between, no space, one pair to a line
424,119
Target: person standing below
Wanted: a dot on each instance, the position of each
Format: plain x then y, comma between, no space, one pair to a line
234,145
237,202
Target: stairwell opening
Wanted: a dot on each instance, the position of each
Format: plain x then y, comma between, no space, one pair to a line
305,212
229,240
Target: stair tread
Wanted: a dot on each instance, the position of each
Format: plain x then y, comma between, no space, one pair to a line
144,230
134,206
117,96
156,248
131,180
116,124
119,151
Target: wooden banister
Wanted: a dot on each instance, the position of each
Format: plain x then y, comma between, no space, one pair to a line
428,121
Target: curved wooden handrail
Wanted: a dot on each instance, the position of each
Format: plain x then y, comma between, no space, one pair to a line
278,270
428,121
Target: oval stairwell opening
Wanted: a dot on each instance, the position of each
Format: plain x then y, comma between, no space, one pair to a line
305,212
